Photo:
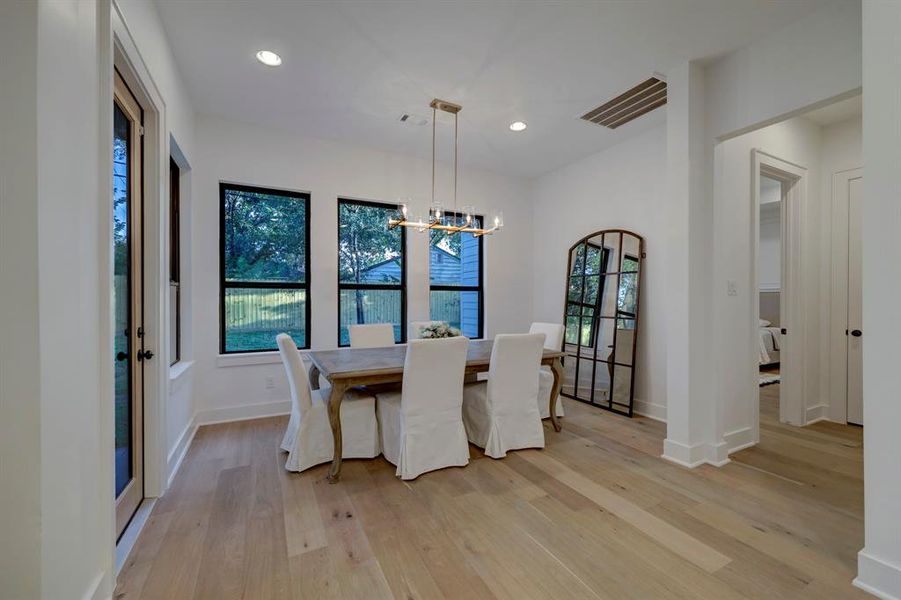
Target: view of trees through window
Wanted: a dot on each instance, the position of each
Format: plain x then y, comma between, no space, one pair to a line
585,294
371,268
264,268
455,279
626,304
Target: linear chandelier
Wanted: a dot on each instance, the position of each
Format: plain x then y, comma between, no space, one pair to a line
440,219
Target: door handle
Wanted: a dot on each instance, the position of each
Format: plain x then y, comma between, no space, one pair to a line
145,354
856,332
121,356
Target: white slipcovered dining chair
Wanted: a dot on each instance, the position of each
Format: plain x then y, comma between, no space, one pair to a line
553,340
415,332
501,414
376,335
308,439
422,423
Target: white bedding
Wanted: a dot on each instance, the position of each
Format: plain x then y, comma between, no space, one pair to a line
770,342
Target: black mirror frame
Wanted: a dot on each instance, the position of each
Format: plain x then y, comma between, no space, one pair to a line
609,404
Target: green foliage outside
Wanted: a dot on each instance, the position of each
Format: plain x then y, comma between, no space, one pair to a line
364,241
265,237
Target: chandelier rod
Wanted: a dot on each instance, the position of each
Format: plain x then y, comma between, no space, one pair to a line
434,118
455,166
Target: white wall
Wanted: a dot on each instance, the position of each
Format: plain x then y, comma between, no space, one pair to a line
621,187
230,151
769,264
20,389
58,544
805,63
797,141
822,151
144,26
879,562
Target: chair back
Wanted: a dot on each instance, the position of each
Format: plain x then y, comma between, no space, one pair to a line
376,335
415,332
433,377
297,378
513,372
553,333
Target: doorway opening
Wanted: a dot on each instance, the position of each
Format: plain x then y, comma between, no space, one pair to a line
802,309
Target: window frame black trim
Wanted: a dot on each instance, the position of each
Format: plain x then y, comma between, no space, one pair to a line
463,288
175,252
371,286
223,284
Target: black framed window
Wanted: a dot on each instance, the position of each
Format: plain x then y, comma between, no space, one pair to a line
585,294
174,264
456,292
372,268
264,268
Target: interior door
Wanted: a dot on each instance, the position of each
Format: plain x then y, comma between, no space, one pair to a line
127,304
855,320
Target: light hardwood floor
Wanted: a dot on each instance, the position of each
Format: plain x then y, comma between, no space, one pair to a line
597,514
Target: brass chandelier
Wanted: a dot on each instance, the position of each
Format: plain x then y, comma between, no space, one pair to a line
439,219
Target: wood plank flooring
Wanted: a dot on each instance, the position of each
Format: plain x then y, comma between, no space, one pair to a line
597,514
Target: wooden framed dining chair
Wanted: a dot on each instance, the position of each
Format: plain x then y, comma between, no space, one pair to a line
375,335
501,414
553,340
422,423
308,439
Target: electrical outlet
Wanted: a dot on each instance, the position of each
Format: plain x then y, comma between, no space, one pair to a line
270,383
731,288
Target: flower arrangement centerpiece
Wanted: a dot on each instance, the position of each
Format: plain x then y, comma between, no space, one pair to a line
438,330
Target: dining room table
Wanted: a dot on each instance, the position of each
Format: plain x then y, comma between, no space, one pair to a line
347,368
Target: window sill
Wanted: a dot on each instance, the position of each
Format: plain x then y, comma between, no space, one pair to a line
179,369
248,358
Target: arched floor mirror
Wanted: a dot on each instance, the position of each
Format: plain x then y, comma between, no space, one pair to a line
601,317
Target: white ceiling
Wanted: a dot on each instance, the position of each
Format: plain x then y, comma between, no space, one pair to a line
351,68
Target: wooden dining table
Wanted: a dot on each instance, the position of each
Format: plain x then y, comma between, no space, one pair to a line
347,368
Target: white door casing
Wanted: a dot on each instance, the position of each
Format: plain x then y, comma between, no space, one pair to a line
792,350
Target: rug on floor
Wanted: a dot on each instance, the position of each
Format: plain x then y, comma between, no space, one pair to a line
768,379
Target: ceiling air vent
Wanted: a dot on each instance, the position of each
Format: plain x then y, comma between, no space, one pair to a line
415,120
643,98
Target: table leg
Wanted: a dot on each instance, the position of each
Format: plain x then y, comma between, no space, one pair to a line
557,370
314,377
334,418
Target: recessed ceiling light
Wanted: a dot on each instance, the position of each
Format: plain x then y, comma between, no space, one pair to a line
517,126
269,58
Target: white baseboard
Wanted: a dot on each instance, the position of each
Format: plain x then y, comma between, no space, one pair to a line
242,412
739,439
100,588
707,453
651,410
177,454
816,413
694,456
878,577
130,536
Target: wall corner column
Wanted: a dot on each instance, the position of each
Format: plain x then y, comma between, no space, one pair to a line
879,563
691,411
